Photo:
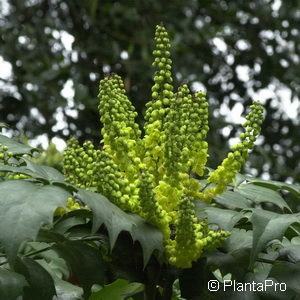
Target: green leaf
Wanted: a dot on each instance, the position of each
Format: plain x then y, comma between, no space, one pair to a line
55,267
67,291
72,219
224,218
291,252
236,262
49,236
48,259
239,179
21,170
41,284
288,273
44,172
259,194
238,239
276,185
11,284
268,226
116,221
85,263
14,169
15,147
25,207
118,290
263,266
232,200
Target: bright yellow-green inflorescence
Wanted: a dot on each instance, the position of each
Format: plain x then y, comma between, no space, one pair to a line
192,236
121,134
93,169
154,175
231,165
70,206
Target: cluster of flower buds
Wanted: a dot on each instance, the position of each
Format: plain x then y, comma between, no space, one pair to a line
5,159
235,159
121,134
153,176
185,148
192,236
151,209
162,94
197,135
5,155
186,127
95,170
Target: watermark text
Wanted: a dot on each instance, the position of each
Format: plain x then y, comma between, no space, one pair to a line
233,285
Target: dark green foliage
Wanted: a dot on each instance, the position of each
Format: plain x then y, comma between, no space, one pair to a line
193,282
24,208
118,290
84,262
41,284
11,284
117,221
84,247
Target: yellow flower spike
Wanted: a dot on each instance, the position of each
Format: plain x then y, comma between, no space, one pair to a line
153,176
151,208
231,165
162,93
121,133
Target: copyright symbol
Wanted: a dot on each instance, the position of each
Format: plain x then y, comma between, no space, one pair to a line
213,285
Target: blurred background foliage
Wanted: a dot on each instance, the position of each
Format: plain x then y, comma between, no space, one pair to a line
236,50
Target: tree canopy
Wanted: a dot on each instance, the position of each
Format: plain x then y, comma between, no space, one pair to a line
232,48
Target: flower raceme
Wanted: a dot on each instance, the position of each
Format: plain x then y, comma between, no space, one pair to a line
152,175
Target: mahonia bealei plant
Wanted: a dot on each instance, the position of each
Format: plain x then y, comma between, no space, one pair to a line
153,175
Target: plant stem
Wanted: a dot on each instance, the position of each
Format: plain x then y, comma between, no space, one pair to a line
168,285
153,274
295,230
37,251
204,188
30,254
